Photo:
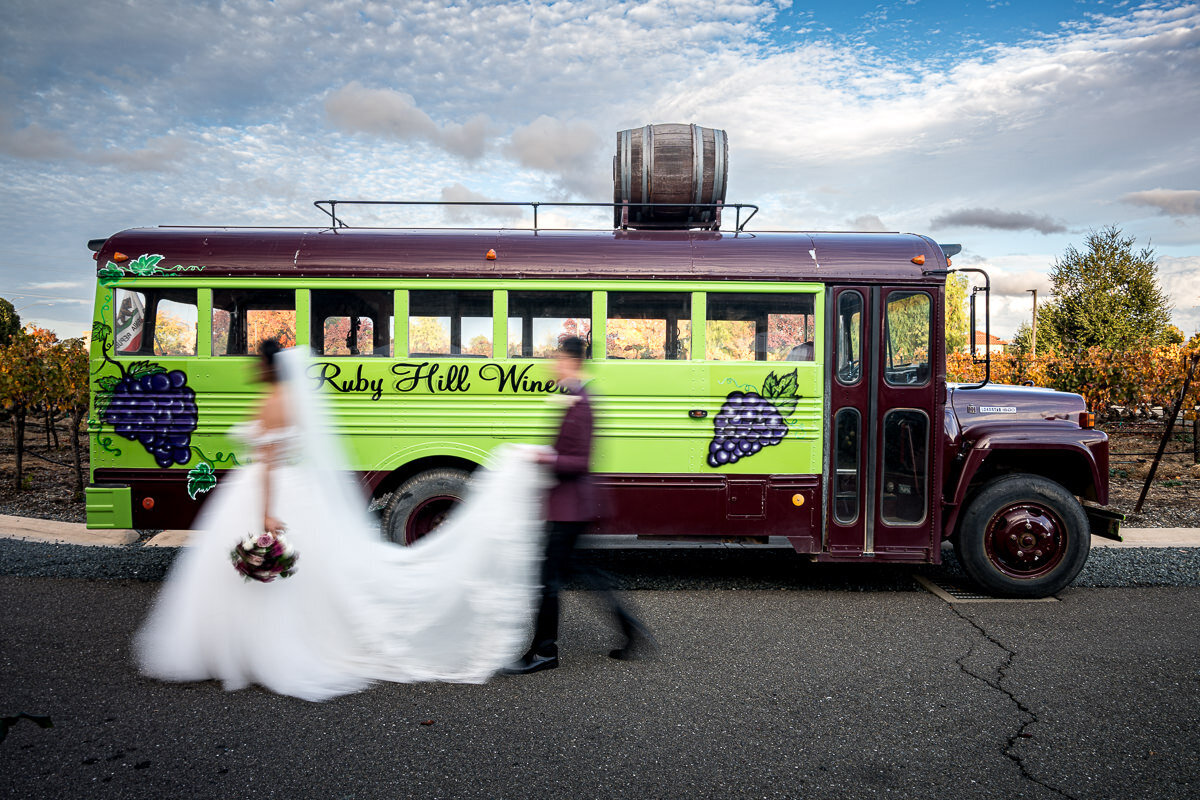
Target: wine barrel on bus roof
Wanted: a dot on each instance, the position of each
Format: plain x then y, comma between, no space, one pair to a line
685,164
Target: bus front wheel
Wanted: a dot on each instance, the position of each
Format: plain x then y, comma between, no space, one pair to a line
1023,536
422,503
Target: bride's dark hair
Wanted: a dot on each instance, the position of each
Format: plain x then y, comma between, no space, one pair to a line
268,350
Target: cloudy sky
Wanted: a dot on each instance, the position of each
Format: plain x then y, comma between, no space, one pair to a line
1010,127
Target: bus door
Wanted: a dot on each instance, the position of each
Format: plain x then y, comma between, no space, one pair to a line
883,395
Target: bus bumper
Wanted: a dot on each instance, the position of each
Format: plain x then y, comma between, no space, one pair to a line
109,507
1104,522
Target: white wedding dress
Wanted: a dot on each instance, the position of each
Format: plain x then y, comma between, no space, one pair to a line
456,606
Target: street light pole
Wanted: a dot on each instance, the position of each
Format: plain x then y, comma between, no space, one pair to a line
1033,337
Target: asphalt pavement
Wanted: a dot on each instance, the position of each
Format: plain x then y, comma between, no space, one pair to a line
799,692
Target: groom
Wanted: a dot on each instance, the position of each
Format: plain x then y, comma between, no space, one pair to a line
571,507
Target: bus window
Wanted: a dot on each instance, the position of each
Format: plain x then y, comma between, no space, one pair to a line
538,321
245,318
351,323
849,338
847,425
907,331
649,325
760,327
160,322
450,323
905,442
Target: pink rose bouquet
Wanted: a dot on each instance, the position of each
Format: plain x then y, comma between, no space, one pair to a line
264,557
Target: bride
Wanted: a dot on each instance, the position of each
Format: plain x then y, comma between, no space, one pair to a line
455,606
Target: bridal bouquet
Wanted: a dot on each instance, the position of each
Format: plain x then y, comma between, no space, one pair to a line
264,557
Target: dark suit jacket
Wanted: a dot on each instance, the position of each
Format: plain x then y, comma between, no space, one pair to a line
573,496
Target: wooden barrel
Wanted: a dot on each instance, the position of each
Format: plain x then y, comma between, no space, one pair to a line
684,164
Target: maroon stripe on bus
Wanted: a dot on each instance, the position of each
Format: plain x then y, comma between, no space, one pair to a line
616,255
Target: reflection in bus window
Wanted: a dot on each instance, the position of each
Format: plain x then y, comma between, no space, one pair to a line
906,331
849,338
760,327
902,489
847,425
245,318
649,325
351,323
160,322
538,321
450,323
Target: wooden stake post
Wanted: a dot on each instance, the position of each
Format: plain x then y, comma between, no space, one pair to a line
1162,445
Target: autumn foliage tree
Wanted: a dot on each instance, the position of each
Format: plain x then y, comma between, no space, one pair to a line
41,376
21,381
68,392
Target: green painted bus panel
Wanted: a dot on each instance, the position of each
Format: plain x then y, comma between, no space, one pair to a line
109,507
645,423
390,412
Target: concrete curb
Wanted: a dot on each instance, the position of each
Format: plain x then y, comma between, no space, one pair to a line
52,531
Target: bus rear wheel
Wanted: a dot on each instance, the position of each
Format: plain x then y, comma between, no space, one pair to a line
422,503
1023,536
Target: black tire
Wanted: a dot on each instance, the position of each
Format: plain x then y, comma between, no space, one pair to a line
422,503
1023,536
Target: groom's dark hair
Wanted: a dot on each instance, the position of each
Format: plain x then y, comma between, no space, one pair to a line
573,347
267,350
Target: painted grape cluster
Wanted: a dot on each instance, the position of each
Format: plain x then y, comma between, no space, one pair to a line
749,421
158,410
746,424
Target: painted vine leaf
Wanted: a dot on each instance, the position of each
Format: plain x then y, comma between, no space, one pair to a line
100,330
139,368
146,264
143,266
200,479
782,391
109,274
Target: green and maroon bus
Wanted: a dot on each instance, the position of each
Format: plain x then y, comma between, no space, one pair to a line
748,385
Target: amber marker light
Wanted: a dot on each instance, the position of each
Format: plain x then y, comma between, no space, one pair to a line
491,255
919,260
119,257
797,499
1087,419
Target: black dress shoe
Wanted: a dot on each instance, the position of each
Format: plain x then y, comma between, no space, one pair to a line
531,662
638,640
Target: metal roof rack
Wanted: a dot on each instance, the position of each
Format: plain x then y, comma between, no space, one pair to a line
329,207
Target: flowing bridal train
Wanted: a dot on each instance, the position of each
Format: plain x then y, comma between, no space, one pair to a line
456,606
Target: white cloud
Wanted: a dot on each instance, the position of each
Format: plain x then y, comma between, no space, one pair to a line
54,285
38,143
1180,279
384,112
868,222
457,193
572,151
1172,202
997,219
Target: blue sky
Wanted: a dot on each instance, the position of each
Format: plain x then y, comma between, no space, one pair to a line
1010,127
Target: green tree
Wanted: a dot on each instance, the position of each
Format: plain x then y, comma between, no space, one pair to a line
10,322
957,287
1107,295
1022,340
